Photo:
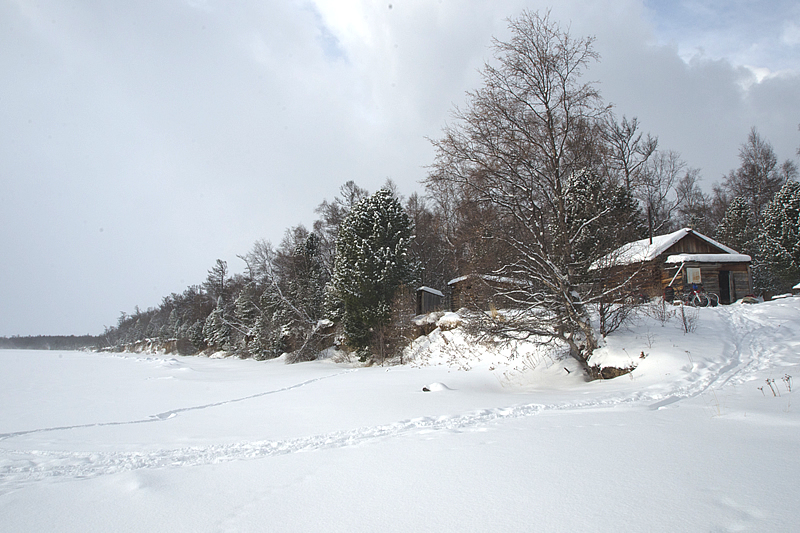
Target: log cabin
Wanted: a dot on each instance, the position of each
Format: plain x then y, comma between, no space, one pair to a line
668,264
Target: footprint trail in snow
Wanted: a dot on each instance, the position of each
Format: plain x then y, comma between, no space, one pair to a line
166,415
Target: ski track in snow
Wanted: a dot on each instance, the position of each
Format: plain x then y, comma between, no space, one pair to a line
754,355
743,355
30,467
22,468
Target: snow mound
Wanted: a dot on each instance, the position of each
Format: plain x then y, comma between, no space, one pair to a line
520,362
435,387
448,321
427,320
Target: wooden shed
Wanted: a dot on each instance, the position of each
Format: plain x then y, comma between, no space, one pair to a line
429,300
669,263
480,291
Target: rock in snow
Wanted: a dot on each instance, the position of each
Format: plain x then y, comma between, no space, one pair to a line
435,387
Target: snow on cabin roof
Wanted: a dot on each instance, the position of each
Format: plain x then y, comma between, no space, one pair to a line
643,250
432,291
708,258
796,286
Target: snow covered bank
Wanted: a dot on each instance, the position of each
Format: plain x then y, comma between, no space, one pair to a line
694,439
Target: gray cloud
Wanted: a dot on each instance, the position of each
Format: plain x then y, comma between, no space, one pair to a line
141,141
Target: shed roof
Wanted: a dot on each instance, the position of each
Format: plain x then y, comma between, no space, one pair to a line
432,291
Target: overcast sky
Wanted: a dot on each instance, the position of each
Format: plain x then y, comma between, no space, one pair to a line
140,141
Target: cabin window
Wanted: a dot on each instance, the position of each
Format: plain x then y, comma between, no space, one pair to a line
693,276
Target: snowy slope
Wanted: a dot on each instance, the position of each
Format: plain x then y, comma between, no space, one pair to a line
692,440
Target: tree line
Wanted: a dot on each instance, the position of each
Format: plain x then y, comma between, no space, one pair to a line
534,181
48,342
345,277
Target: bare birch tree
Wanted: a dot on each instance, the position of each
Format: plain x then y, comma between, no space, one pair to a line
628,150
760,176
526,146
658,190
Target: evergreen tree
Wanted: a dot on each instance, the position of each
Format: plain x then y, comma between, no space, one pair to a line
332,214
780,242
737,228
303,275
311,285
272,331
759,177
247,313
371,264
600,216
173,323
195,334
217,331
246,308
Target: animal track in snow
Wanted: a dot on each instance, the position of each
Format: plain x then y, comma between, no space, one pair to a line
166,415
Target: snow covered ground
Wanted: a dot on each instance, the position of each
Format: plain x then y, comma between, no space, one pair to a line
694,439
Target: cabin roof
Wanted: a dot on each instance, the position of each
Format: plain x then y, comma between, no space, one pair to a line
708,258
643,250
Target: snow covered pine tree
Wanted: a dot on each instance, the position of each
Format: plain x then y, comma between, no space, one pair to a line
371,265
737,228
780,242
217,331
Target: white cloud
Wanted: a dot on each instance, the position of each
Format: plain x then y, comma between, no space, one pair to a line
791,33
742,32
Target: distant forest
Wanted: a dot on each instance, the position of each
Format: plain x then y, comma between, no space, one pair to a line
534,181
51,342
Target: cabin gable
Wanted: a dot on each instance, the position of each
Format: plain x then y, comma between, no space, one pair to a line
692,244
